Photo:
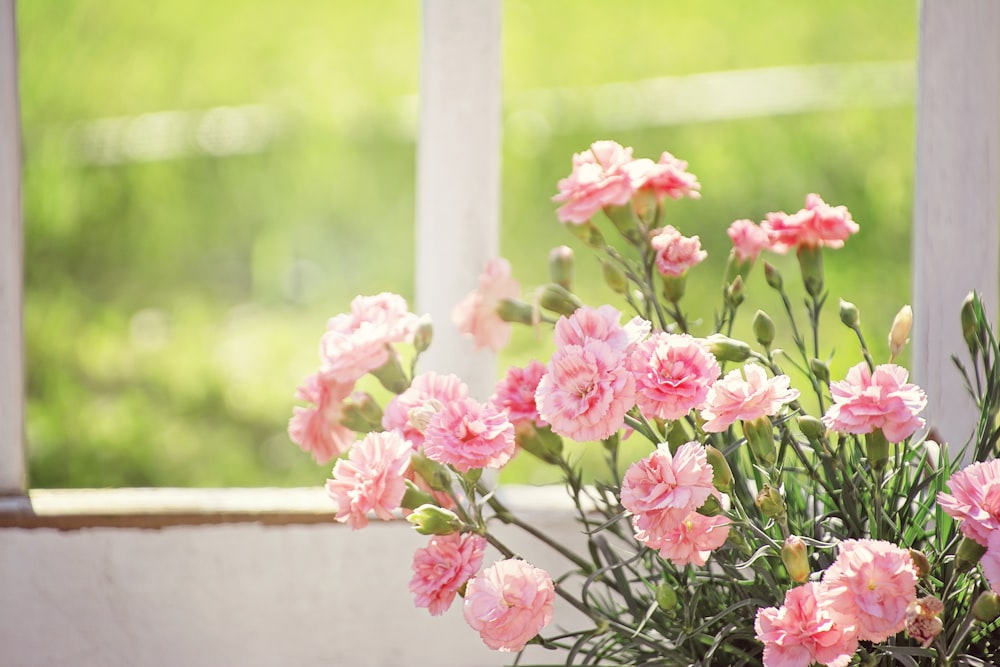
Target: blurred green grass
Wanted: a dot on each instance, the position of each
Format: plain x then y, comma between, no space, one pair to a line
172,306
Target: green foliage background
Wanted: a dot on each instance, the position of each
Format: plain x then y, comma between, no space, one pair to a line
173,306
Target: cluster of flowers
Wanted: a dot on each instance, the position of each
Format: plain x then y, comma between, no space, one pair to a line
607,378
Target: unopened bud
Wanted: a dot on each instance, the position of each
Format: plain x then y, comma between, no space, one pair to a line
899,334
725,348
424,334
968,553
795,558
760,436
513,310
820,370
811,265
614,277
433,520
773,277
849,314
666,597
734,292
558,299
920,563
561,266
588,233
811,427
769,502
722,474
969,323
763,328
986,608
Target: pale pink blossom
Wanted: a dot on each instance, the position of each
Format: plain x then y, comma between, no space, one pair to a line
816,225
975,500
371,479
662,489
802,631
666,178
586,391
476,314
745,393
675,253
599,179
748,238
673,374
865,401
991,561
442,567
870,585
590,324
509,603
467,434
358,342
317,429
692,540
426,388
515,394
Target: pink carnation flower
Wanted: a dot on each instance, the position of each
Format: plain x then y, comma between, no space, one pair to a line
598,179
666,178
427,388
745,393
818,224
467,434
370,479
358,342
803,632
869,586
515,394
691,541
586,391
748,239
476,315
673,373
675,253
663,488
317,429
592,324
509,603
865,401
975,500
443,567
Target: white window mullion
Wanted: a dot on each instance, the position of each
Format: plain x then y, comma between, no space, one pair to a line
955,235
458,173
12,460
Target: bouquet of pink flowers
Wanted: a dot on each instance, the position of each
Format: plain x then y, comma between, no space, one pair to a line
751,532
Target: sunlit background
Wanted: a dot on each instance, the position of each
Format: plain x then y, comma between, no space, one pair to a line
206,183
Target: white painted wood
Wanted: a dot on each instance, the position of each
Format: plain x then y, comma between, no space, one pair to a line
12,460
237,594
955,235
458,173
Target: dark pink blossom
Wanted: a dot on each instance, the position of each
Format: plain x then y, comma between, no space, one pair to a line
515,394
673,374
